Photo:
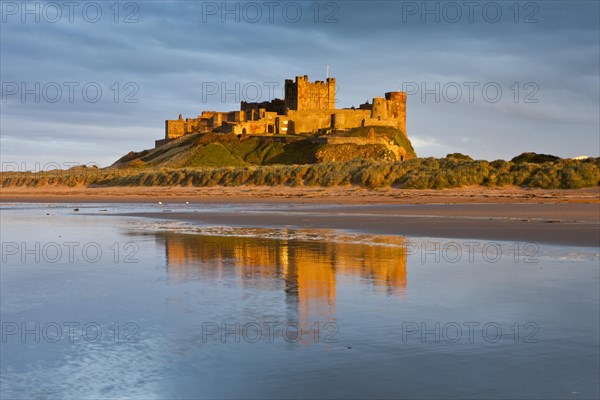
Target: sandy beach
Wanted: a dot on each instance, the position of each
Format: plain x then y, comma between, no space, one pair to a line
286,194
561,224
566,217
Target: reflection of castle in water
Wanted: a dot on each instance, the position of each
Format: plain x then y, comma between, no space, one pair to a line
306,270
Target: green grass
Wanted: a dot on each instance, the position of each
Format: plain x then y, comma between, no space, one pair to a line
534,158
459,156
217,159
213,155
209,150
424,173
219,150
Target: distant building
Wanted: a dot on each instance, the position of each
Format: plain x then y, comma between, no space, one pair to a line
308,107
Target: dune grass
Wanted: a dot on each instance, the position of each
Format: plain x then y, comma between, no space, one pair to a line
424,173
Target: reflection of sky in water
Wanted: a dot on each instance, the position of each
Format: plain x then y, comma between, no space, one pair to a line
366,285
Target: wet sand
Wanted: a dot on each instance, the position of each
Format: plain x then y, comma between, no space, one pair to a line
564,217
550,224
286,194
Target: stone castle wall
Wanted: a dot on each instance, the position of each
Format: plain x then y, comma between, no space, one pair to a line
308,107
309,121
398,151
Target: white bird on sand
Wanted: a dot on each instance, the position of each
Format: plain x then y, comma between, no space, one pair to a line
160,202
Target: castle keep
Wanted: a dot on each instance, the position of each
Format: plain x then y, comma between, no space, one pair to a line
308,108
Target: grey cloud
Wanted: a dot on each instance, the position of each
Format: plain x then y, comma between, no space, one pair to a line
171,52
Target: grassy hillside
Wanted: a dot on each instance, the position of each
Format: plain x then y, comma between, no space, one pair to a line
425,173
217,150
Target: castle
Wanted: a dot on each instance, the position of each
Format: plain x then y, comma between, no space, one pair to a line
308,108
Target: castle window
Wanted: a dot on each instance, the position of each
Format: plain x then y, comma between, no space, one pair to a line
270,129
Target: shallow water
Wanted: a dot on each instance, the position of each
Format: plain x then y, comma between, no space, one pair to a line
133,308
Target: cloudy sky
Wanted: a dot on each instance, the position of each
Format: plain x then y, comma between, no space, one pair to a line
86,82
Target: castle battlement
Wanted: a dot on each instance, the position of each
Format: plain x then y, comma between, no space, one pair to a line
308,107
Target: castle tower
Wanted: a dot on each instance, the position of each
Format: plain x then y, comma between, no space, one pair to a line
379,110
331,89
291,94
303,95
397,108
